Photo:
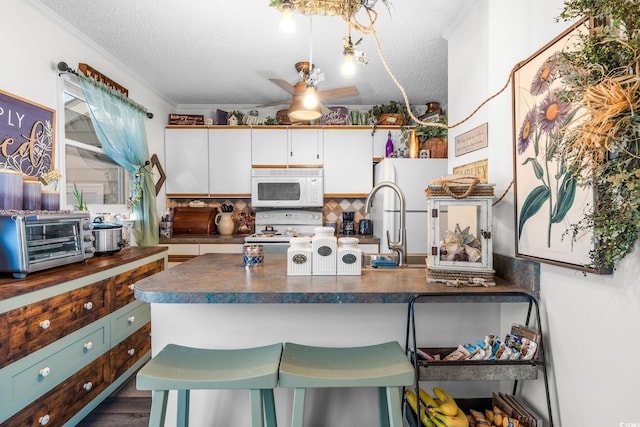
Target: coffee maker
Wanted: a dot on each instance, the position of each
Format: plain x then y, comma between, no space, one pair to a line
348,223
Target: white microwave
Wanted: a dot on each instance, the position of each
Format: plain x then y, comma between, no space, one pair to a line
287,187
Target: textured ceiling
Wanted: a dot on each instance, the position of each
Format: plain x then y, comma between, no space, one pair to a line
223,52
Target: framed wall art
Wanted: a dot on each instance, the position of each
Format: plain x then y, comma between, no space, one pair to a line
27,136
548,199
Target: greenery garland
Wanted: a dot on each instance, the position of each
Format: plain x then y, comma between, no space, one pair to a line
601,146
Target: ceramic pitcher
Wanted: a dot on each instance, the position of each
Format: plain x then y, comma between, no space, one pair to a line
224,223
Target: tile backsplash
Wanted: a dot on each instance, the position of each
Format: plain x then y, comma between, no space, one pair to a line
331,211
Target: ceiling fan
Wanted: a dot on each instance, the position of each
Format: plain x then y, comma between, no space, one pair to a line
299,89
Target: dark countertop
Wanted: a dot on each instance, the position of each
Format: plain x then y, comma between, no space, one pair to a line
11,287
239,238
221,278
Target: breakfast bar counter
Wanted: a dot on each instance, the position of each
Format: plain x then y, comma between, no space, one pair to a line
221,278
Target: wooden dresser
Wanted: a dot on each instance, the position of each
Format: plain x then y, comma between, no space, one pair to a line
71,335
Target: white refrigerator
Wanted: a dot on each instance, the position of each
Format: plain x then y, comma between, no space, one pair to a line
412,176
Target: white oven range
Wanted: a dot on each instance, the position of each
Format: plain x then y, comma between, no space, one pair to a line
274,228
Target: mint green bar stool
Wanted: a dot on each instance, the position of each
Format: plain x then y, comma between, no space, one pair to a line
183,369
384,366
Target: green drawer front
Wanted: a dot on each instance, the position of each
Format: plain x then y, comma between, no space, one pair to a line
29,378
128,319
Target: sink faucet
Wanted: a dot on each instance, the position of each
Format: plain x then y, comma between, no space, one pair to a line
400,247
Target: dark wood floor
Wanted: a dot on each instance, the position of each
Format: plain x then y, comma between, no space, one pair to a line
126,407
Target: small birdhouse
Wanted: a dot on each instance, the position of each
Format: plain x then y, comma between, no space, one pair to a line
459,230
232,121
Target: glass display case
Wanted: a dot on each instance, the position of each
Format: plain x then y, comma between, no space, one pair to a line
460,227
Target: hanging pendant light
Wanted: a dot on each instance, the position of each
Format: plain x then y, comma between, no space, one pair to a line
305,105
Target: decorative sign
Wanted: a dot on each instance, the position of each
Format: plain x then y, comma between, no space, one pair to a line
478,169
473,140
89,71
27,136
337,116
187,119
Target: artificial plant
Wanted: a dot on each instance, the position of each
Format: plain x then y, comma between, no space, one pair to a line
601,144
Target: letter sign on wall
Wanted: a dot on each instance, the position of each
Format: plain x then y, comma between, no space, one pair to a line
27,136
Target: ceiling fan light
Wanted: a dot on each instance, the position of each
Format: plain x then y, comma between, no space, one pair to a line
310,99
299,112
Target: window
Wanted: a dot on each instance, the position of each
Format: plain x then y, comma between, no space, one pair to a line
102,181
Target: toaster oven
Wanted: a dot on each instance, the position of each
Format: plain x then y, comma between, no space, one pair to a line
34,242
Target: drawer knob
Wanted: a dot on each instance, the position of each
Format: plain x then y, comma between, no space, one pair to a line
131,319
131,351
44,420
45,324
87,386
131,286
88,345
44,372
88,306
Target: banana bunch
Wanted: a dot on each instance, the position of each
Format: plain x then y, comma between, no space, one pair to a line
441,411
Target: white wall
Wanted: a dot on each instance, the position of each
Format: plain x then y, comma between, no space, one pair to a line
32,46
581,314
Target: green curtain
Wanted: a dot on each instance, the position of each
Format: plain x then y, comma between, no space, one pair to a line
119,126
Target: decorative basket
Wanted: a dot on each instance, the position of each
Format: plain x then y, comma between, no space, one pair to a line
392,119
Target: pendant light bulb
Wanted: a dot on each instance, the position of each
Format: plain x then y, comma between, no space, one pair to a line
287,24
349,66
311,97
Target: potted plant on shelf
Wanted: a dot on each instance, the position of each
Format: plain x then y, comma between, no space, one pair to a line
434,138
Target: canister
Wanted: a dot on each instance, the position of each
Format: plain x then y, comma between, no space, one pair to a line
50,200
31,197
10,189
349,260
299,256
324,245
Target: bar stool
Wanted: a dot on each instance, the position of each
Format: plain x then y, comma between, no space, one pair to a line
183,369
384,366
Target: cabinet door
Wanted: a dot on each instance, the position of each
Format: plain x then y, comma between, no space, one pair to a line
305,147
348,167
230,162
187,161
269,147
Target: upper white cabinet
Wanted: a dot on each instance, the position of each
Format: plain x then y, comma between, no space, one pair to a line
306,147
186,153
348,167
230,162
286,147
208,162
269,147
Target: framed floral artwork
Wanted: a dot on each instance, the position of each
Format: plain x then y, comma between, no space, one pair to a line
548,199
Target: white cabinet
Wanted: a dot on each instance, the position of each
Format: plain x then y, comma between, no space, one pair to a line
207,162
278,147
306,147
348,169
269,147
230,162
186,153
